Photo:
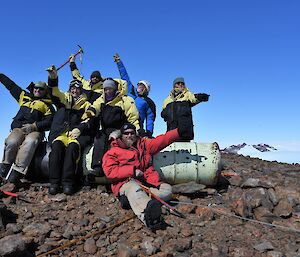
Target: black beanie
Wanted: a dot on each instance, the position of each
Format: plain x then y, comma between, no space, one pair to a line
127,126
96,74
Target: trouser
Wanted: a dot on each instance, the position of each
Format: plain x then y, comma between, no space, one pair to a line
63,161
101,146
19,149
138,198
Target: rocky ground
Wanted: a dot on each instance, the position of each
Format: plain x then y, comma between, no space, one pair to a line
263,191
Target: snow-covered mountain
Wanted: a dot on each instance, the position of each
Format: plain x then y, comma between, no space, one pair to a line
242,147
280,153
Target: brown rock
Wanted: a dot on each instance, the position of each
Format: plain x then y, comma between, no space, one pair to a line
240,208
205,213
90,246
284,209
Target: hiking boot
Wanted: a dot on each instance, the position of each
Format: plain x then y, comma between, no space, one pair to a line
153,217
4,169
69,190
54,189
15,178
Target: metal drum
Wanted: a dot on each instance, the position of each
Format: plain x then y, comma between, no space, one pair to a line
183,162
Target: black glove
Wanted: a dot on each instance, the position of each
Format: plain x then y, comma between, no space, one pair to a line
149,134
185,131
142,133
202,97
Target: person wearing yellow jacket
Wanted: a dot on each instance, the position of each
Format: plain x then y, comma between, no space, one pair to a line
177,108
28,127
115,109
69,134
92,88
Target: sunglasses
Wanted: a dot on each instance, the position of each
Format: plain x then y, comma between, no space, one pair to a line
180,83
39,88
129,133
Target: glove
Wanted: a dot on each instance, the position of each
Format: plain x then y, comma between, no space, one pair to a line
52,72
75,133
142,133
72,58
117,57
114,135
138,173
185,131
28,128
202,97
149,134
88,114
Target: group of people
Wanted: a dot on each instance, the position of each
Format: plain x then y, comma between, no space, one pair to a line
111,113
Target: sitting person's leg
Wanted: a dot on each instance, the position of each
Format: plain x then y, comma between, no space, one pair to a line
25,155
56,161
12,143
146,209
164,191
72,158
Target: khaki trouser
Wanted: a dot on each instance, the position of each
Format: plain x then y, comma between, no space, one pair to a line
138,198
19,149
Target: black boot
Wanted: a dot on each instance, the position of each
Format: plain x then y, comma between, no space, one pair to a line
4,169
153,217
54,189
15,178
69,190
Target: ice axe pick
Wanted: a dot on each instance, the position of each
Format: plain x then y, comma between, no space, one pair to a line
77,53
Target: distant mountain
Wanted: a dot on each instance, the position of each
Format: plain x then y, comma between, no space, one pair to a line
240,148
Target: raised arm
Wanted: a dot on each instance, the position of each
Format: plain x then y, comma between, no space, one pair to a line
162,141
124,75
13,88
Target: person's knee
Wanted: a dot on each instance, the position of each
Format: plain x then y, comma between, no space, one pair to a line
13,141
31,141
165,191
73,147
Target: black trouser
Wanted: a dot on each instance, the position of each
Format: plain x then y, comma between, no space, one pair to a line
63,163
101,146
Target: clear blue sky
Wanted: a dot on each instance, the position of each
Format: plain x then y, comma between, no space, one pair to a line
245,54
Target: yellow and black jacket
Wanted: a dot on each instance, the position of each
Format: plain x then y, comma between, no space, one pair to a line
70,114
177,110
32,109
92,92
120,110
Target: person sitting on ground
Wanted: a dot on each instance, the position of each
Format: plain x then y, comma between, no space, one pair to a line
129,163
177,108
69,134
146,107
115,109
28,128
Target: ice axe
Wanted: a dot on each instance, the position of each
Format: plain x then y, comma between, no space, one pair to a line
77,53
171,209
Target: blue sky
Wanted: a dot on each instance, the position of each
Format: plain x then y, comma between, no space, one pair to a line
245,54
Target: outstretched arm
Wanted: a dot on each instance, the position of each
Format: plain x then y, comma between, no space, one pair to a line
13,88
162,141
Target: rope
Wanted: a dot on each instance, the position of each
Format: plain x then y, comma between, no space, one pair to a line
239,217
72,242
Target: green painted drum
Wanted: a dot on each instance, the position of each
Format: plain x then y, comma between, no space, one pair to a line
180,162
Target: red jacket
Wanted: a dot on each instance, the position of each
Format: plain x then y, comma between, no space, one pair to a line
120,162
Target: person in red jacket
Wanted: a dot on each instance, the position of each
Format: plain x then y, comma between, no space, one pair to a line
128,163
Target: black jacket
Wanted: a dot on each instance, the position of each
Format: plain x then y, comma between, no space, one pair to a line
69,114
32,109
